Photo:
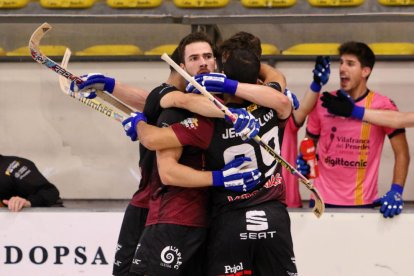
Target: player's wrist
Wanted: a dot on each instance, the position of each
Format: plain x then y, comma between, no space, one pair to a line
231,86
316,87
358,112
397,188
217,178
109,84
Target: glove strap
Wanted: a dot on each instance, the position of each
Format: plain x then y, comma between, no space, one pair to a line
217,178
109,85
315,87
232,86
397,188
358,112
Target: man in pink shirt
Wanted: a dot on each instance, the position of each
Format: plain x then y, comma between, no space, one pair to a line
350,150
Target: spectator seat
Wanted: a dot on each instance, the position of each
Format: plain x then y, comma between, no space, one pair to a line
110,50
269,49
392,48
159,50
67,4
312,49
396,2
48,50
200,3
335,3
268,3
13,4
133,4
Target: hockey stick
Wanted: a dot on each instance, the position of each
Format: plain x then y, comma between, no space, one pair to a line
96,103
319,204
118,110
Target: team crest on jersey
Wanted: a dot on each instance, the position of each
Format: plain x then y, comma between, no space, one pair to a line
191,123
171,257
252,107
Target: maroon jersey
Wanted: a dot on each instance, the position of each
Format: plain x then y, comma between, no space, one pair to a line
177,205
225,145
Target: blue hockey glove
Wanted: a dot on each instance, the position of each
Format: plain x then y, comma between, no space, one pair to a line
130,124
292,97
321,73
391,203
236,177
342,105
246,124
92,83
214,82
302,166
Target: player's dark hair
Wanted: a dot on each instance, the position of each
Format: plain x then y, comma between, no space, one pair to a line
175,56
242,65
361,50
240,40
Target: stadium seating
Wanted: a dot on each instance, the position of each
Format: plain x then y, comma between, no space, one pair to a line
13,4
159,50
269,49
67,4
335,3
392,48
110,50
268,3
131,4
396,2
48,50
312,49
201,3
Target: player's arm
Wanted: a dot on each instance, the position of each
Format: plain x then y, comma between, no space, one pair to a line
321,73
135,97
34,188
392,202
155,138
192,102
269,74
259,94
389,118
235,176
173,173
402,158
341,104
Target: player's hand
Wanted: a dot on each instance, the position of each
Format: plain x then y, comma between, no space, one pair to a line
321,73
302,166
292,97
246,125
214,82
92,83
17,203
342,105
130,124
392,202
236,176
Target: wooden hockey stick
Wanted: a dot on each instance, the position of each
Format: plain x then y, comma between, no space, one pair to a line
319,207
102,102
116,109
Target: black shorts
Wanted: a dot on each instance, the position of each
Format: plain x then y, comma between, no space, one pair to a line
132,226
170,250
252,241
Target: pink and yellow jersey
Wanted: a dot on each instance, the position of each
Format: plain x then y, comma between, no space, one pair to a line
289,152
349,152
